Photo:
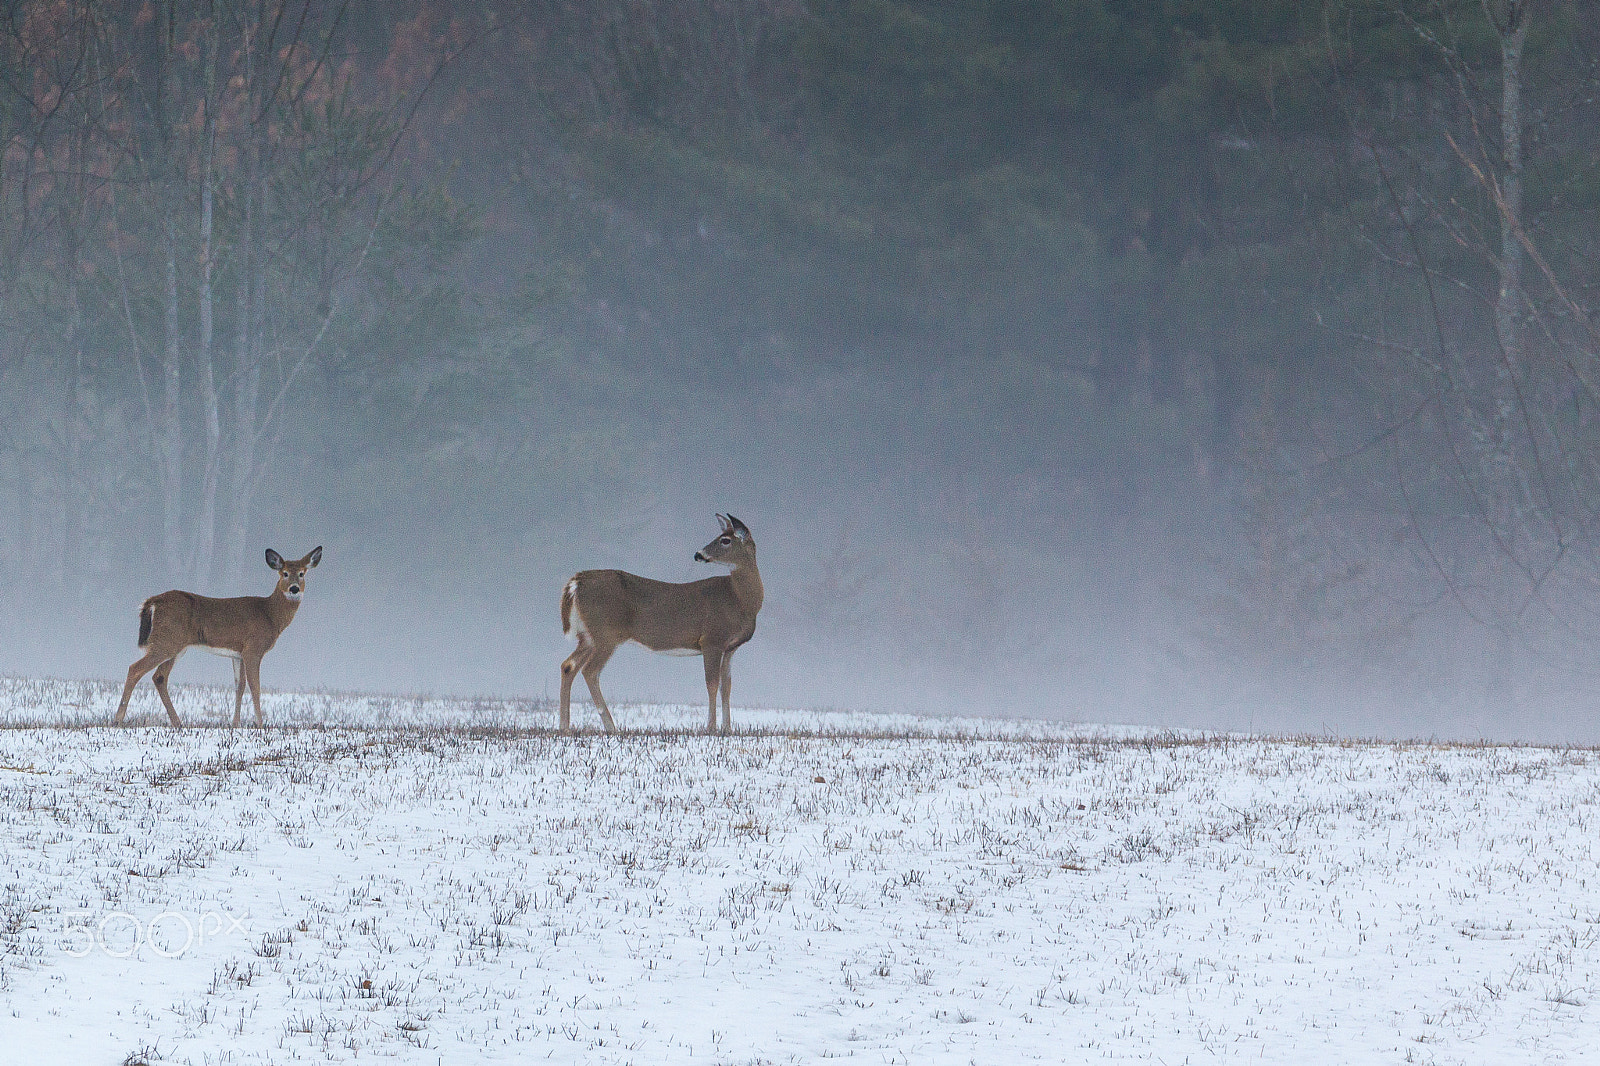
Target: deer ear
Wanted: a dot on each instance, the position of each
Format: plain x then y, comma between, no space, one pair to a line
316,556
739,528
722,520
274,560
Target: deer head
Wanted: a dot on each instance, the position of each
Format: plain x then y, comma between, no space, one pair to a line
292,573
734,545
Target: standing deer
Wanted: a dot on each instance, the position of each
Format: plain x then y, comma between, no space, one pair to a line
244,628
710,618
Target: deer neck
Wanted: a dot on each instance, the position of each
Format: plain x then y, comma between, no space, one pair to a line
747,586
281,609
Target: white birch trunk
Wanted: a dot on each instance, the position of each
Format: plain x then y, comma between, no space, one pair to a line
171,447
206,521
247,378
1507,312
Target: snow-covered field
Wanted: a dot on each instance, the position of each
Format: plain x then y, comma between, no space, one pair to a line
447,881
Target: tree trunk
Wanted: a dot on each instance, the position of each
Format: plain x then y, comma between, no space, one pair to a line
75,423
171,410
1507,312
74,429
247,379
206,521
1518,496
171,446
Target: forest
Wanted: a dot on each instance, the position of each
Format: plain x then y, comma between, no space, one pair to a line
1190,362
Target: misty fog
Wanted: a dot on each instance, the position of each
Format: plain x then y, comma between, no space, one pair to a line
1212,367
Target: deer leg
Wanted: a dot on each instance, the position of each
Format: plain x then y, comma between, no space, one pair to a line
238,688
252,674
162,673
150,661
574,663
591,677
714,662
727,692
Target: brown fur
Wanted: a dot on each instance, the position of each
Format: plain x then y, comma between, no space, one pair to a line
711,618
244,627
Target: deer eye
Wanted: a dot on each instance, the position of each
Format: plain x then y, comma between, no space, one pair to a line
726,541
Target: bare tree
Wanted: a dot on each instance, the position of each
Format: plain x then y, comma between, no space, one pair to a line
1494,460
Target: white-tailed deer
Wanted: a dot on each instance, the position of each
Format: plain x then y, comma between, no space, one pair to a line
244,628
710,618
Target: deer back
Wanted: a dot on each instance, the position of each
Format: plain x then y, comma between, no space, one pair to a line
181,619
614,606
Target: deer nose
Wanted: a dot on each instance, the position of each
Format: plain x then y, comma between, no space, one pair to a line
294,590
700,557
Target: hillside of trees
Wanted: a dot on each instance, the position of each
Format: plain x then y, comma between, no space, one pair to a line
1192,361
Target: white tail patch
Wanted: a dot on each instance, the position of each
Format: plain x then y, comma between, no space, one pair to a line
143,638
579,630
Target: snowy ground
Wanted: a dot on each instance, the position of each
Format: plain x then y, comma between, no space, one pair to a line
445,881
